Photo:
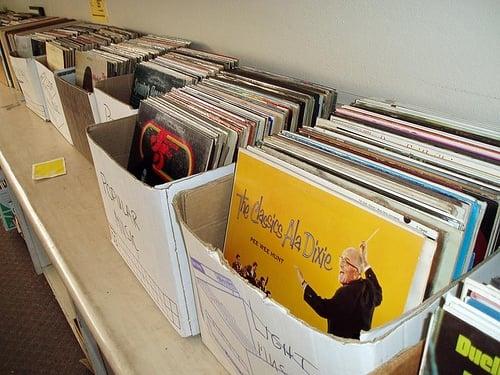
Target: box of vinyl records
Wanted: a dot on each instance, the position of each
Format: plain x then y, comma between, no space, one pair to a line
120,96
79,108
27,77
7,40
143,225
51,95
113,97
241,321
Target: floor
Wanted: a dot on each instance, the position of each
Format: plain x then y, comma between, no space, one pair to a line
35,337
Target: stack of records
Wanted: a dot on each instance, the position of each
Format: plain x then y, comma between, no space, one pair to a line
429,119
61,52
445,154
228,62
445,193
172,70
33,42
162,44
313,100
297,103
144,48
464,335
8,35
225,116
179,134
117,34
8,18
122,58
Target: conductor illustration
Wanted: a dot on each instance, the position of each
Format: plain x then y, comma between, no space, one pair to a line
351,308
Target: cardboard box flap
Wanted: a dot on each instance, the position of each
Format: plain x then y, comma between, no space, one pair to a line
115,138
79,111
210,227
214,233
406,362
118,87
112,96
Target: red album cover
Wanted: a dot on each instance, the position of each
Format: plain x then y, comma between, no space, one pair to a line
164,149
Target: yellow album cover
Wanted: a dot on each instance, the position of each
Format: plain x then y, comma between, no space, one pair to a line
332,263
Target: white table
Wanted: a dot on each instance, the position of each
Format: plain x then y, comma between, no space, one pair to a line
67,216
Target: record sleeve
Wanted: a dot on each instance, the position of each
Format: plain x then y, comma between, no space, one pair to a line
456,345
273,231
165,149
152,80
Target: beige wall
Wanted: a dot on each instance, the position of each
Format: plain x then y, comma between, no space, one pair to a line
443,55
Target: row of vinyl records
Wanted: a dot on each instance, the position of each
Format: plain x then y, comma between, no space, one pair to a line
200,127
379,199
29,38
98,51
67,43
14,18
464,334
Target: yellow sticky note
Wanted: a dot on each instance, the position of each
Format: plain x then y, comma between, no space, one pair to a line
48,169
98,11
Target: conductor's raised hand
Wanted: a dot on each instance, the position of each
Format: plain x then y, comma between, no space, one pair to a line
364,255
300,276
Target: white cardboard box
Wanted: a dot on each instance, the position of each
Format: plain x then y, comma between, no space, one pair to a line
27,76
143,227
51,95
251,334
113,97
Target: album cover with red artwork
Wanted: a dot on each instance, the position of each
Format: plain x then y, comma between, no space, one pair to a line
165,148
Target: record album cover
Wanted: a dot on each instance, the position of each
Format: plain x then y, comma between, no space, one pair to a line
281,223
164,149
457,347
152,80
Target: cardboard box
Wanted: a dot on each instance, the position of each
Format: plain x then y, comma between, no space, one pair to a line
51,95
80,110
38,84
113,97
27,77
142,222
251,334
405,363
